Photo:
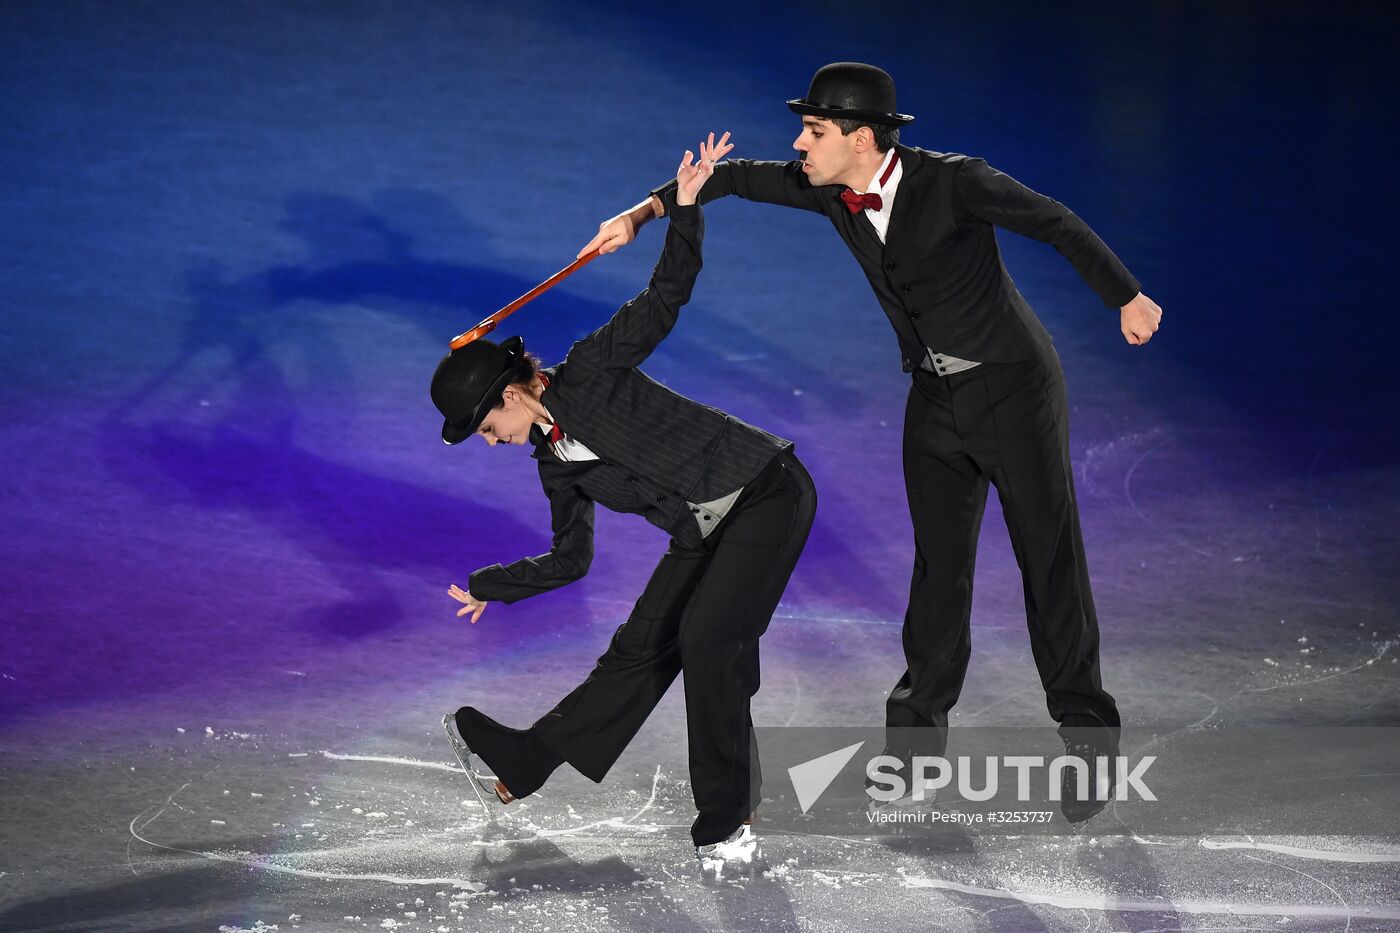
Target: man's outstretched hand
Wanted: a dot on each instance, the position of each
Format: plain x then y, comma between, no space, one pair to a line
1139,319
616,232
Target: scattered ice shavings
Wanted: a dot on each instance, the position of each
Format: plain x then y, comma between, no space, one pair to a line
376,815
389,924
258,927
255,795
1271,662
208,730
1303,640
293,918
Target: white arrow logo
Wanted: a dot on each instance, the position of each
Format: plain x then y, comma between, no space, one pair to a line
811,778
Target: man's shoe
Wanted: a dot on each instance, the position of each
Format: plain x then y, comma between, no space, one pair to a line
479,781
733,856
1080,800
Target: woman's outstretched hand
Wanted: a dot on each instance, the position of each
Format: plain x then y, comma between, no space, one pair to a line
691,178
469,602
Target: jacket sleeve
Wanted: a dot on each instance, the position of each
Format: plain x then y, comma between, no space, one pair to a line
642,323
983,193
571,553
770,182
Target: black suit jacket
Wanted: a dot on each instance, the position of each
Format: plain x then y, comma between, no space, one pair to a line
657,449
939,275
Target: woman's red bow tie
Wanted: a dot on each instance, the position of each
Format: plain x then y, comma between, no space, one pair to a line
555,435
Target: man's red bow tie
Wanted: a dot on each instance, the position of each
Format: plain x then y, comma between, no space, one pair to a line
859,202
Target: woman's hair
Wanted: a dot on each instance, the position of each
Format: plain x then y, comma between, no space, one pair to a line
521,374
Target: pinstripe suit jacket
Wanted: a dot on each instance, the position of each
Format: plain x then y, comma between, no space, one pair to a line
657,449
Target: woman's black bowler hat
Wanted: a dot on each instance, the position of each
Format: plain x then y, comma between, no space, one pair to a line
469,382
851,91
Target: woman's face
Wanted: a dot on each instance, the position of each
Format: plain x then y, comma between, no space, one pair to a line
509,424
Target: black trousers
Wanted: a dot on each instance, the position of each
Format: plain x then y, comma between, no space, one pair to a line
702,612
1006,424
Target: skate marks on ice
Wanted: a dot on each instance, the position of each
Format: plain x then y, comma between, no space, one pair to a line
362,824
346,823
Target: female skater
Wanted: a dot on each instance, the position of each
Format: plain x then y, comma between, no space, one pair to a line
735,500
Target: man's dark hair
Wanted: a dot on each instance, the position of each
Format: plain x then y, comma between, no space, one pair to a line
885,136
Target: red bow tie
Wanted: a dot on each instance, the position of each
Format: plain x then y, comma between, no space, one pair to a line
555,435
859,202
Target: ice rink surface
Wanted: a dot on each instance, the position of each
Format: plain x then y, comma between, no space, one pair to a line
235,242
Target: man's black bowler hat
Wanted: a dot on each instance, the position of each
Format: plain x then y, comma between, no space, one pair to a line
469,382
851,91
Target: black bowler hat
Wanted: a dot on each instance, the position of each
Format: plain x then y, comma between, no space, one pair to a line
469,382
851,91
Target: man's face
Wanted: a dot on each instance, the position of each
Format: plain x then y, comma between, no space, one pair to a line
509,424
827,156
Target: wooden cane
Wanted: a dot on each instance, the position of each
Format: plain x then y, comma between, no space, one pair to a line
488,325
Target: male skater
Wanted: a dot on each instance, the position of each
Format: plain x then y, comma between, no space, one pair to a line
987,401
